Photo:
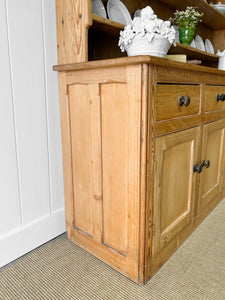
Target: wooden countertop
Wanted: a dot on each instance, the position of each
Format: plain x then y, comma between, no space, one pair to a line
142,59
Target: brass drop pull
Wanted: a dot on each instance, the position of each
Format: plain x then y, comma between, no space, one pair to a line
184,100
220,97
204,163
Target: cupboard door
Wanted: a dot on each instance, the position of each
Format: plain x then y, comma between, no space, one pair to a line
174,185
212,151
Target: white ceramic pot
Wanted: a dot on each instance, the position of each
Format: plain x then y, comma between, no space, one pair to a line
221,64
141,46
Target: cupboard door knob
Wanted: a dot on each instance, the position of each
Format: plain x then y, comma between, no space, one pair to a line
207,163
184,100
204,163
197,168
220,97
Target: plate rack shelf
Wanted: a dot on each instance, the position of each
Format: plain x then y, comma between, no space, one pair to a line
93,37
105,25
194,54
214,19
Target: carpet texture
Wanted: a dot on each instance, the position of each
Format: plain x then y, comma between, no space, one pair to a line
61,270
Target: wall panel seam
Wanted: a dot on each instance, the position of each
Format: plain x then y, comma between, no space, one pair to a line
46,106
14,114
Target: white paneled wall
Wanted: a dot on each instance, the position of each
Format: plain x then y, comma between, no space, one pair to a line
31,176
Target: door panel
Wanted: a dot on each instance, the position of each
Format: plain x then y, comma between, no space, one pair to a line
213,150
84,117
174,185
115,164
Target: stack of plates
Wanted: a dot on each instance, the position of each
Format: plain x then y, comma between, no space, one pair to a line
209,47
98,8
118,12
220,7
199,43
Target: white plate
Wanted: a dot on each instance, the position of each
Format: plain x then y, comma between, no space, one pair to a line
199,43
209,47
220,7
98,8
118,12
193,44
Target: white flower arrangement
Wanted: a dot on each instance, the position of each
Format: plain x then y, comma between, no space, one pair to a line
149,25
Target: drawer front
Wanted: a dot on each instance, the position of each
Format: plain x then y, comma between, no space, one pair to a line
214,97
172,101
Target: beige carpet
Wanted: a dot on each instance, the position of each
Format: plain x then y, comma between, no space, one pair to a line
61,270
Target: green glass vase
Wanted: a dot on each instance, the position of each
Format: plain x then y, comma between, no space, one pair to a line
186,35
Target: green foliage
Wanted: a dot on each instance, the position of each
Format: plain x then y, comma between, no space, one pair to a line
188,18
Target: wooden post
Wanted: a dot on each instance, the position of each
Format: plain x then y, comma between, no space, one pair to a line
73,19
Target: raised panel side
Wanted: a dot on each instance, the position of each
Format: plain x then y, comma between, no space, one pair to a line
115,108
82,103
105,133
121,117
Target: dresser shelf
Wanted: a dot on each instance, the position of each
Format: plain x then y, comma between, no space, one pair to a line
212,18
105,25
193,53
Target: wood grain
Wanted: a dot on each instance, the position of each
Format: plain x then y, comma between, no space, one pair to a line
73,20
212,150
157,61
167,101
115,141
150,177
81,145
143,170
174,184
211,102
67,157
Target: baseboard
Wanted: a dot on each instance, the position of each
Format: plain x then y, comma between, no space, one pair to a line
22,240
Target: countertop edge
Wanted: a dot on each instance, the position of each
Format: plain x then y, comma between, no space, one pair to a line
141,59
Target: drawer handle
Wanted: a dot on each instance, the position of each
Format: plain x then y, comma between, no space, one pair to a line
184,100
220,97
204,163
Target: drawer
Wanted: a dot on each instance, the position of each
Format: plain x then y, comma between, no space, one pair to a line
169,99
214,98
